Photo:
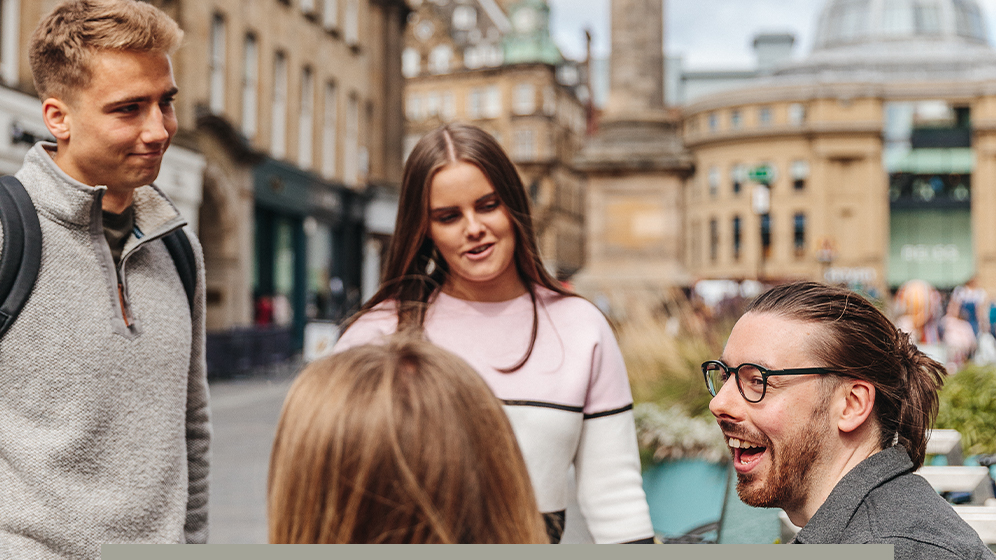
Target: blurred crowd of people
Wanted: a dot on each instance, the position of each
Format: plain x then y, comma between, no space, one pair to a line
951,331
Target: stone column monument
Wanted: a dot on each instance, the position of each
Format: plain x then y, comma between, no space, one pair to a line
636,63
636,168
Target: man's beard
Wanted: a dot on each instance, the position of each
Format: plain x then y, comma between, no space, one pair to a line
792,471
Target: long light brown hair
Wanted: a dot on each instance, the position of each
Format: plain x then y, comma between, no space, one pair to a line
397,443
863,344
409,279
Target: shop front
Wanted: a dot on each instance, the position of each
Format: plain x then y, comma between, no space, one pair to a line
307,252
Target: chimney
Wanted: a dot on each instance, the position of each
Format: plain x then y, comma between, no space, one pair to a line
772,49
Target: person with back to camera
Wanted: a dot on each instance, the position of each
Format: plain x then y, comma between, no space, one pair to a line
464,268
397,443
827,419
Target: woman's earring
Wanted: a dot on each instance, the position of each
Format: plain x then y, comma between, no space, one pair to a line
432,266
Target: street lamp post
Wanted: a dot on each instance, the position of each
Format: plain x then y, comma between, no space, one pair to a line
763,175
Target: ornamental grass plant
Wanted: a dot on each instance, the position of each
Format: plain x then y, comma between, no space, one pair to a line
664,348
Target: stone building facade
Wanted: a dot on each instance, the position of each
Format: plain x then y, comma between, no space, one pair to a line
868,162
296,106
494,65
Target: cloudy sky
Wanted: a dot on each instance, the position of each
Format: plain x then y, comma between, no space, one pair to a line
707,33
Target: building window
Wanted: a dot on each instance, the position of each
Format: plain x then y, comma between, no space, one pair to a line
440,58
713,181
766,236
432,104
799,234
329,124
695,241
475,103
411,63
736,119
797,113
492,102
351,27
764,116
413,107
713,122
737,237
447,108
525,99
216,100
330,14
352,155
410,141
772,174
250,83
800,172
10,38
306,120
525,145
713,240
464,17
738,176
549,101
278,126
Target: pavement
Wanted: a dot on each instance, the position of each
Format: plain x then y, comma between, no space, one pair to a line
244,414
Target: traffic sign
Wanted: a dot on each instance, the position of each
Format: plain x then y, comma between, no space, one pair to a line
764,174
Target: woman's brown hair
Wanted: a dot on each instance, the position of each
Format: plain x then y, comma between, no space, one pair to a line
397,443
409,279
864,344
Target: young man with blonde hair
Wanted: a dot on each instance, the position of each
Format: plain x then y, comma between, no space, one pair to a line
104,427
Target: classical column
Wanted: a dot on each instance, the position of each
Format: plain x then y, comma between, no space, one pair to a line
636,82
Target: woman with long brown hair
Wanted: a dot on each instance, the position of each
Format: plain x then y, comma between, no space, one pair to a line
464,269
397,443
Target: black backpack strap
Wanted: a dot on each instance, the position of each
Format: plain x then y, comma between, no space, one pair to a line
22,247
183,257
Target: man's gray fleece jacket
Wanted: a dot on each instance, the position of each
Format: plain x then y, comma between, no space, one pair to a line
104,426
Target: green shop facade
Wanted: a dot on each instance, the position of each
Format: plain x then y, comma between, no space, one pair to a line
307,264
930,161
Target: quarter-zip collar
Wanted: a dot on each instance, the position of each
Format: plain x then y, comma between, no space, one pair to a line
63,199
80,205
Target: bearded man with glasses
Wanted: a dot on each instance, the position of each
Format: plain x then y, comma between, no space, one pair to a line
827,416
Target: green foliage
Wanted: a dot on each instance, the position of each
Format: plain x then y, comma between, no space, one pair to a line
968,404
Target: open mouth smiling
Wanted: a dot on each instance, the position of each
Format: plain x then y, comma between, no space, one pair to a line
745,453
480,249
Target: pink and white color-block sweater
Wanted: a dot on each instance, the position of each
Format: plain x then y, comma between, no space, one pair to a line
569,404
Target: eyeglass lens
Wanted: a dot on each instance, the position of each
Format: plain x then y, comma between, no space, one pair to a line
749,380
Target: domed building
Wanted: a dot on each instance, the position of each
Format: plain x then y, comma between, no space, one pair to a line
871,161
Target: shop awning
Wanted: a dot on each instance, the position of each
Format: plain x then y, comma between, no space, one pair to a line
923,161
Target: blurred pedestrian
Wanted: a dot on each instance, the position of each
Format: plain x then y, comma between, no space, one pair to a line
827,419
970,302
397,443
464,268
104,409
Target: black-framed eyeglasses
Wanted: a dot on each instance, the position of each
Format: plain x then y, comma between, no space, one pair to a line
752,379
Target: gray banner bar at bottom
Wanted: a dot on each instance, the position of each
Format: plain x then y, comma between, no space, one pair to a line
495,552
